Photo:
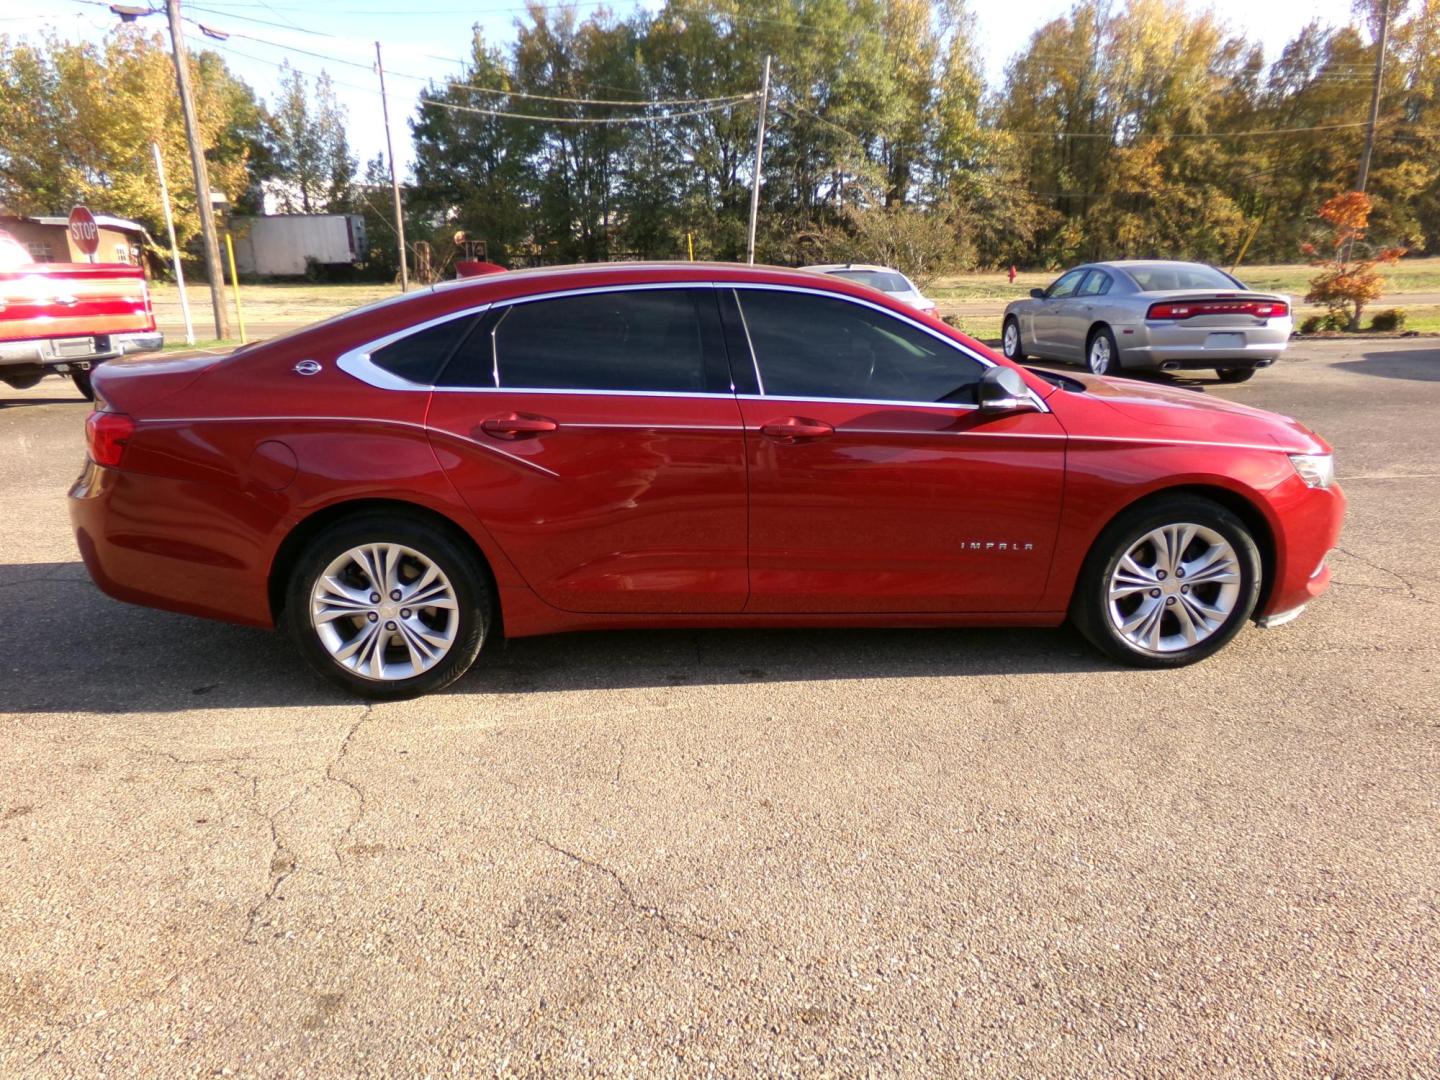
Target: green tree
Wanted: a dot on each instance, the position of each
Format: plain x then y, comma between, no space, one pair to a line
312,167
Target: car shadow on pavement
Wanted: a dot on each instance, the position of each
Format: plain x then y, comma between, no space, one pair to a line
1422,365
107,657
1184,380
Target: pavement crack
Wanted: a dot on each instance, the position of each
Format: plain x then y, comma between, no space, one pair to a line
334,777
649,911
1407,587
283,863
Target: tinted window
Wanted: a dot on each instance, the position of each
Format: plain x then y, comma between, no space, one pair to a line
641,340
420,356
1065,286
815,346
876,279
1162,277
1096,284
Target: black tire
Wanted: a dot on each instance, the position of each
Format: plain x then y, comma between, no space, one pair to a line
1102,333
1090,606
1017,351
82,382
468,580
1235,374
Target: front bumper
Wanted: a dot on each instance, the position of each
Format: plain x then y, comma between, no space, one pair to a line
1309,522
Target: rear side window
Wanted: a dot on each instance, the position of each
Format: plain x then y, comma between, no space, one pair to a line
644,339
822,347
420,356
1097,283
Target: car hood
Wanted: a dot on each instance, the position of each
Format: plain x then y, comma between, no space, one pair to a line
1152,411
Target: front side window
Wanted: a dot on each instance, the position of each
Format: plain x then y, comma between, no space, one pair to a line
638,340
825,347
1065,286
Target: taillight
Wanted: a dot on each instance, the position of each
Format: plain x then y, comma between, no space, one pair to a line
106,435
1260,309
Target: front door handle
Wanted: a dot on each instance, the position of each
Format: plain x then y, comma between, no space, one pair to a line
796,427
517,426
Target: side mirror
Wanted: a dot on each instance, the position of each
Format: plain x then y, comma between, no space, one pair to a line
1002,390
1037,294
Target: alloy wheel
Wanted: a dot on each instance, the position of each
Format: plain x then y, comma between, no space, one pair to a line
1012,340
1175,587
385,612
1100,355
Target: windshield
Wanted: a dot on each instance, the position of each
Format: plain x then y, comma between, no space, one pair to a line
1162,277
884,280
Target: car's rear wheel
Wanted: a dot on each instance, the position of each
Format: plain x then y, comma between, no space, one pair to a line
1101,355
1010,341
388,607
82,382
1234,374
1168,583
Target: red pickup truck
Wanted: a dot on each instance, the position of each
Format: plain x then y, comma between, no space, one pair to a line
64,318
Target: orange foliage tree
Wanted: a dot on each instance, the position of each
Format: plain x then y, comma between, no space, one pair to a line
1347,283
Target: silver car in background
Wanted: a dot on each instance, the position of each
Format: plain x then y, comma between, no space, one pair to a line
878,277
1140,314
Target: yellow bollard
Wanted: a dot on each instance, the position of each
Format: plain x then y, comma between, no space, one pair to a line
690,243
235,281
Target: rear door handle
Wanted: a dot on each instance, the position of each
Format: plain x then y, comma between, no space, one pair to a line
796,427
517,426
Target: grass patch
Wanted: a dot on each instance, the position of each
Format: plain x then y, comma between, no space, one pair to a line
1406,276
180,346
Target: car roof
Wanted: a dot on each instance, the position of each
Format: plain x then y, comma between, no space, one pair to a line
451,297
830,268
1127,264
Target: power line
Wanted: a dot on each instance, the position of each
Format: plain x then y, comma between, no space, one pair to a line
632,102
424,101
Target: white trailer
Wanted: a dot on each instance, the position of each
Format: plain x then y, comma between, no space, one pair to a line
282,245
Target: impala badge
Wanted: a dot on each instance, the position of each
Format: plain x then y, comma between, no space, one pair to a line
1007,546
308,367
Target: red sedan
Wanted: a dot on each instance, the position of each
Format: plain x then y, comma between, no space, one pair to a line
683,445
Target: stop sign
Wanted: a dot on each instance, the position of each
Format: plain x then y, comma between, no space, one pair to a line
84,231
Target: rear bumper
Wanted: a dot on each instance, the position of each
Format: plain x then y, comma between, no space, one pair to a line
1163,345
194,558
145,341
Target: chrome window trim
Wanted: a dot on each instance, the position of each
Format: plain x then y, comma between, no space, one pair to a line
356,362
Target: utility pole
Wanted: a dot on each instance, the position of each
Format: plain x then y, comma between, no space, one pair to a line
174,249
1375,95
759,158
202,174
394,182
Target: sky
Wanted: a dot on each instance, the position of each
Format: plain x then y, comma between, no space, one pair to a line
425,39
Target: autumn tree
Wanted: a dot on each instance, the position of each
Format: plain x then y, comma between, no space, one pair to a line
1346,282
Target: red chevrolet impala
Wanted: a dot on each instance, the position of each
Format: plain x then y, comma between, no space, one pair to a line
683,445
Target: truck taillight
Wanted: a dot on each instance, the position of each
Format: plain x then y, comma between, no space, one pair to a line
1260,309
106,436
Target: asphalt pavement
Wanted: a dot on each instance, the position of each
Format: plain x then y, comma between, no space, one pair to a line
986,853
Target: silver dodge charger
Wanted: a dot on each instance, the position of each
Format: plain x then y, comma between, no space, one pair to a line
1156,315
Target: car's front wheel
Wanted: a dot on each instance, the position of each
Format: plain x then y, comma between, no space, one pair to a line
1010,342
388,607
1168,583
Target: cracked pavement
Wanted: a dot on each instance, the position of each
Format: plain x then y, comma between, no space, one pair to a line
791,853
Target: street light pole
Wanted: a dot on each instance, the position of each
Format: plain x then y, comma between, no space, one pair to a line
202,174
759,157
394,180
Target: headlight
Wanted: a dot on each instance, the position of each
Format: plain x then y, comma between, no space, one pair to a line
1317,470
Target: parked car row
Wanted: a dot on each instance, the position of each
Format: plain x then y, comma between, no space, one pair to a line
703,445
